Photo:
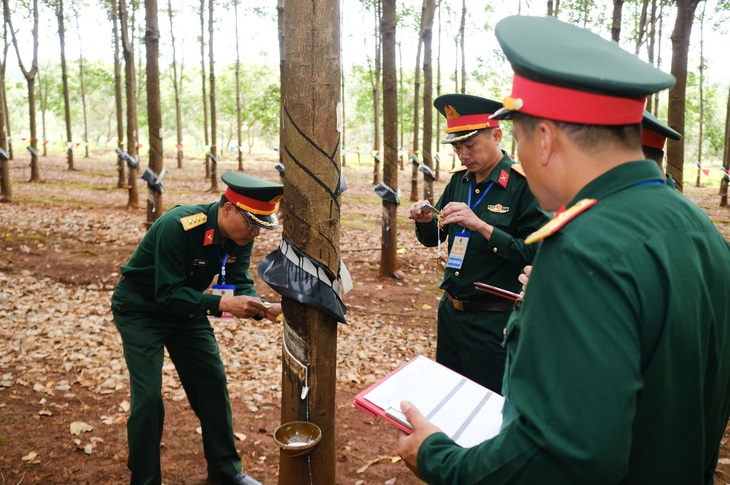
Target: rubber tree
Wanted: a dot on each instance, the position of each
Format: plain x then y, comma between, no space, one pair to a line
311,146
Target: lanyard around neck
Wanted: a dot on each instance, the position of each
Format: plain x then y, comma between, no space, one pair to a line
468,200
223,260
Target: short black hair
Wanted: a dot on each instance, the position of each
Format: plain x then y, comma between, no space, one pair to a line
588,137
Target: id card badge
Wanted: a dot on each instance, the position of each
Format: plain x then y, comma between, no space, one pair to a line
458,250
224,290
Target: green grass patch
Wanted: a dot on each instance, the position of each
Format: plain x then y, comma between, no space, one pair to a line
31,237
89,203
360,199
358,221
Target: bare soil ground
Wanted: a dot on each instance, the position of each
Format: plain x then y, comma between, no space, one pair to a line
61,244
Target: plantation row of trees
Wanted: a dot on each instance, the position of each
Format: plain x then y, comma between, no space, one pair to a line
260,99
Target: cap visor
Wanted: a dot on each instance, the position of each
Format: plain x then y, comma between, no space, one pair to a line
501,114
459,136
264,222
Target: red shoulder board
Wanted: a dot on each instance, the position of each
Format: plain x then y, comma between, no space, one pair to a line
518,168
460,168
560,219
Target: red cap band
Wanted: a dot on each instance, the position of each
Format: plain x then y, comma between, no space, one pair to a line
251,205
573,106
650,138
470,122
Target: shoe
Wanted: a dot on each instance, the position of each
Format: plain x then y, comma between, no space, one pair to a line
238,479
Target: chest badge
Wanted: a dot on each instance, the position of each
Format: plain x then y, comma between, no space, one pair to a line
498,208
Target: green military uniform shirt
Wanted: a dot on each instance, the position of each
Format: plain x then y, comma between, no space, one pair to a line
624,327
172,266
511,208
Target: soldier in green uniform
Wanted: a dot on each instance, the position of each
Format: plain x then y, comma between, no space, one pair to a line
654,135
486,210
161,302
618,358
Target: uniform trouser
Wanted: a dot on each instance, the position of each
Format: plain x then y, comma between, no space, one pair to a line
194,352
471,343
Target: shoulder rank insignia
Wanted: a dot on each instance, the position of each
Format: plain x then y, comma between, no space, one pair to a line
460,168
518,168
560,219
189,222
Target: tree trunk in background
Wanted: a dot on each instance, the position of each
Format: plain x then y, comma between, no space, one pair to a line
389,243
456,85
401,125
311,92
726,157
618,5
416,109
204,86
652,101
3,93
376,95
177,87
130,84
438,93
82,85
6,188
427,37
553,8
238,91
462,28
280,13
64,81
677,94
118,99
642,27
29,75
651,46
213,127
701,121
154,108
344,112
43,98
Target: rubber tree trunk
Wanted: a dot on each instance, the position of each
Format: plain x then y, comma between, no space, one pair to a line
154,108
311,145
389,244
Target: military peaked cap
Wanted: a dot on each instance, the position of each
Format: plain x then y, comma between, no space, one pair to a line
256,197
565,73
466,115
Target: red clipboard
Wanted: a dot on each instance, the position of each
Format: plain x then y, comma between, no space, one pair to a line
373,410
465,411
493,290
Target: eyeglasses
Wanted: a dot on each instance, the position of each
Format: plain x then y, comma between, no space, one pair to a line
251,225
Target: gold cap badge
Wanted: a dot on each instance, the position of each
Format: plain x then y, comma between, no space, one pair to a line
451,113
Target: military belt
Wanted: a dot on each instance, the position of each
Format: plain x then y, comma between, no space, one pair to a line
476,305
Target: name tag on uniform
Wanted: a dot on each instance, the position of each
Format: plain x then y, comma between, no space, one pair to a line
224,290
458,250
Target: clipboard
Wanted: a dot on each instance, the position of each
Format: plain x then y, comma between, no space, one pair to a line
361,403
465,411
494,290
